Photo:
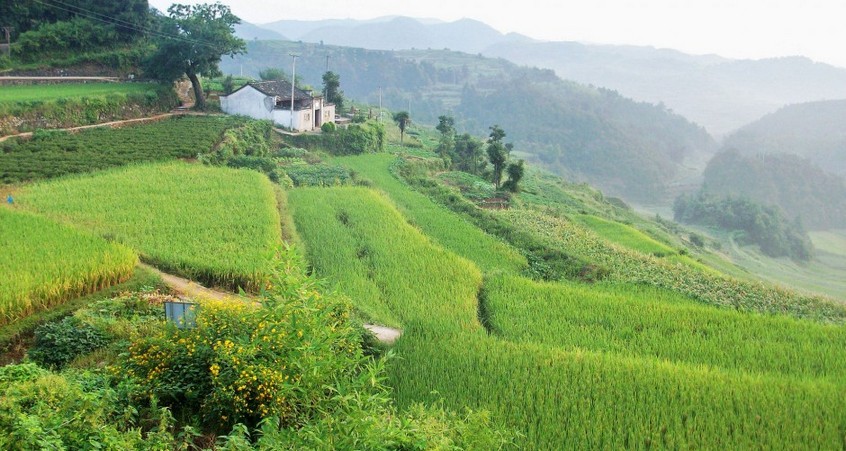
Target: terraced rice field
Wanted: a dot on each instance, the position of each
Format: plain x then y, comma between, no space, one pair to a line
44,263
216,225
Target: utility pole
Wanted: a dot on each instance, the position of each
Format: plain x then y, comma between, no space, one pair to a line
293,82
8,32
380,104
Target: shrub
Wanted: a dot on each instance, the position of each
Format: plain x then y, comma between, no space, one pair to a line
327,127
243,362
58,343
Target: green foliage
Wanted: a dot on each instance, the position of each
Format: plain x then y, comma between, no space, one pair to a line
644,322
332,90
74,35
180,217
273,74
367,137
625,235
764,226
56,154
394,274
444,227
243,362
796,185
76,411
317,175
373,255
30,107
57,343
177,51
403,120
328,127
515,174
45,264
127,18
628,266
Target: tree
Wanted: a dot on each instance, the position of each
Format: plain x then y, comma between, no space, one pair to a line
497,153
272,74
403,119
331,88
469,154
446,125
194,38
515,174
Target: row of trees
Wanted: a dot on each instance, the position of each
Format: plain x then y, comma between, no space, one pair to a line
468,154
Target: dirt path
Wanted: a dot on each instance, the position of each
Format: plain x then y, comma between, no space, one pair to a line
104,124
188,288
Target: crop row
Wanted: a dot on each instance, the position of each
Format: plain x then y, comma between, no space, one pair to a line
32,94
629,266
54,154
356,239
43,264
642,321
216,225
558,398
449,230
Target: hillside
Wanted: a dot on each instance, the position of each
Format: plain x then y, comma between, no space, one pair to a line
569,128
799,187
721,94
813,130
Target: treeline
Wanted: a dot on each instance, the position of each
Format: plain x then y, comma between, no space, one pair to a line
795,184
51,27
757,224
625,147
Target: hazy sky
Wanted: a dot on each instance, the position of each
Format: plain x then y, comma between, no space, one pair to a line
733,28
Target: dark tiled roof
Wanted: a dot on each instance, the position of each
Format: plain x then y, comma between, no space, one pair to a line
280,89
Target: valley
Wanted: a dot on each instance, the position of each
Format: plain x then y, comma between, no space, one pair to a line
215,281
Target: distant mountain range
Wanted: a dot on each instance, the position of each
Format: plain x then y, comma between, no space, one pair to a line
631,149
718,93
815,131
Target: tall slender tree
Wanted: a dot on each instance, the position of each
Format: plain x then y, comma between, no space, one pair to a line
332,90
403,119
497,153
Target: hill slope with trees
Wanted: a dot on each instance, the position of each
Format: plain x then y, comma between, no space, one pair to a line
813,130
627,148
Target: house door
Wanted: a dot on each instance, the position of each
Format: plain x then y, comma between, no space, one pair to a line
318,116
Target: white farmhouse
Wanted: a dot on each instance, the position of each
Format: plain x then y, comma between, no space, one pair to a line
271,100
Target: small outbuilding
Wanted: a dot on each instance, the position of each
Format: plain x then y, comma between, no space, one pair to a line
271,100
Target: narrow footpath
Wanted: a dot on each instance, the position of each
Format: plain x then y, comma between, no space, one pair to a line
189,288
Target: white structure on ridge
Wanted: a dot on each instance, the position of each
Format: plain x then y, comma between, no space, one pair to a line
271,100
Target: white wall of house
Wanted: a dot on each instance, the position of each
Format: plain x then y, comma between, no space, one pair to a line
251,102
248,102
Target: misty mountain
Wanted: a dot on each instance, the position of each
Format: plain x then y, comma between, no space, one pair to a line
396,33
718,93
815,130
249,32
627,148
796,185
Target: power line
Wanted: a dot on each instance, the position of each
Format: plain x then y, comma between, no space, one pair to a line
111,21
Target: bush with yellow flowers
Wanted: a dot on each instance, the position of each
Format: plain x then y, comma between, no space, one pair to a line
245,361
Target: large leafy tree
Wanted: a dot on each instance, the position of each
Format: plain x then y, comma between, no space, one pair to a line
403,119
194,39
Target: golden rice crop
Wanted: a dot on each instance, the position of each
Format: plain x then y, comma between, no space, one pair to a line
43,264
216,225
